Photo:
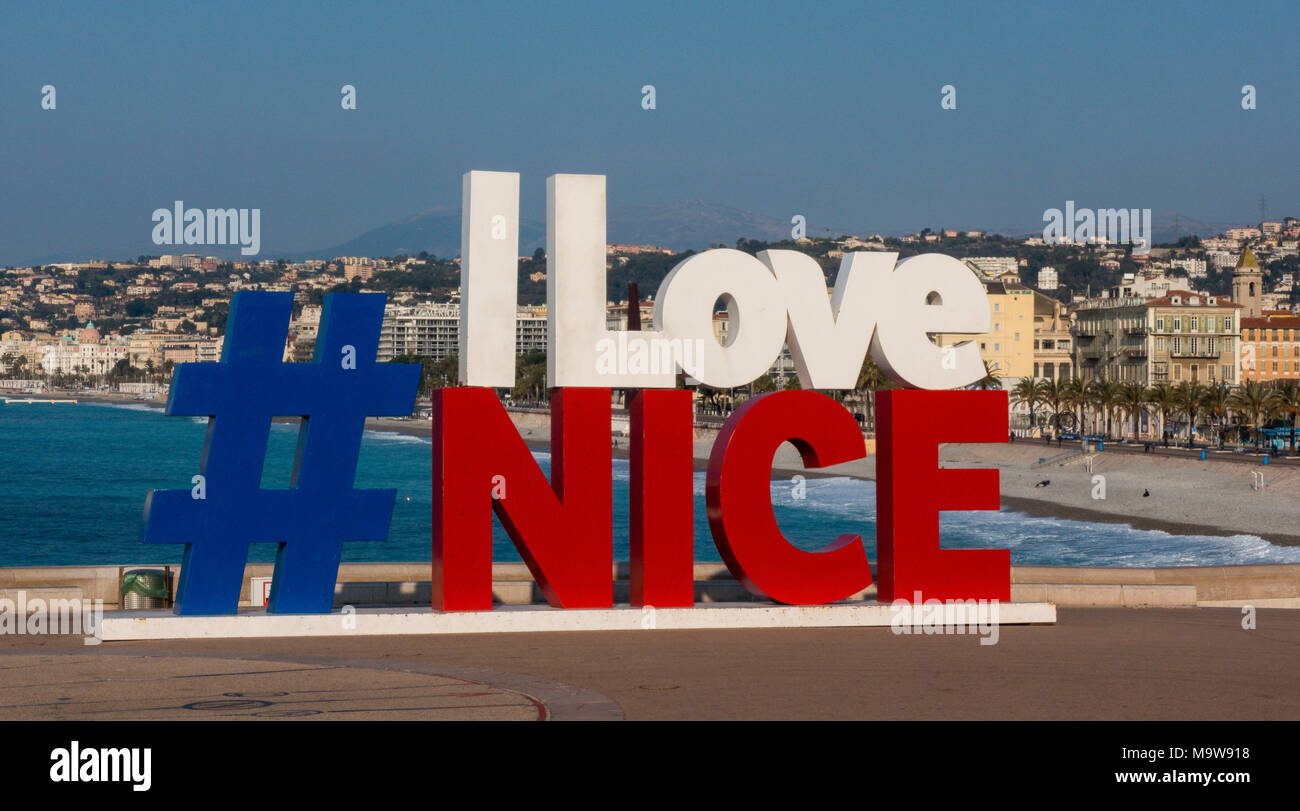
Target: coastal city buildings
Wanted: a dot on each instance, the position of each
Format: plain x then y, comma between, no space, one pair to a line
1196,310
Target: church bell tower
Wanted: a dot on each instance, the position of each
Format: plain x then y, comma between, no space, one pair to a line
1248,285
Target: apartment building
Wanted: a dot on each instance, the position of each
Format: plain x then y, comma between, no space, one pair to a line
1194,268
1053,354
1270,347
1008,345
433,331
1181,336
992,266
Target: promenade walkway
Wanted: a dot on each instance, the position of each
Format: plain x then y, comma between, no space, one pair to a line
1096,663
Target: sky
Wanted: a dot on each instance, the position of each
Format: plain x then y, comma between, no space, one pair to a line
830,110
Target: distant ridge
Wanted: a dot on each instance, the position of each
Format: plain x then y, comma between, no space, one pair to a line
436,230
687,225
1162,227
693,224
698,224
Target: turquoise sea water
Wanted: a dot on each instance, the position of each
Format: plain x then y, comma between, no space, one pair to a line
73,480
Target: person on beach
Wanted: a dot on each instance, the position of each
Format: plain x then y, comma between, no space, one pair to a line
1043,483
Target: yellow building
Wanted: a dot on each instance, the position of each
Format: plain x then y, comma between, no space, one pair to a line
1053,355
1270,347
1008,347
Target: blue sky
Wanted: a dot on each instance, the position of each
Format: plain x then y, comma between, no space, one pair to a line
831,111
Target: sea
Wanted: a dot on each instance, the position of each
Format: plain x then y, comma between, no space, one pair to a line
73,481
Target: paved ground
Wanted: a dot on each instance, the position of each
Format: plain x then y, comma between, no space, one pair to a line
163,687
1095,663
56,682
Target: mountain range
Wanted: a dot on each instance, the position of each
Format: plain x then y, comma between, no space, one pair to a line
679,226
692,224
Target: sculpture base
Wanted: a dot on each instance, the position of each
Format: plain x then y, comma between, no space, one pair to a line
950,618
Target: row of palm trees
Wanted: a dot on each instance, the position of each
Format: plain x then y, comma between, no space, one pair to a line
1101,403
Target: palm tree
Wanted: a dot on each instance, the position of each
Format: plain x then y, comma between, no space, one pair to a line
762,385
1253,402
1104,394
1053,394
989,380
1286,403
1090,403
1189,396
1162,396
1132,397
870,381
1215,402
1028,392
1077,397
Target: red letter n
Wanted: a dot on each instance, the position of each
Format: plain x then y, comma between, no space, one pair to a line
564,531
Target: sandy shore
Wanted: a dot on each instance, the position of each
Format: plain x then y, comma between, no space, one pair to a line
86,397
1188,496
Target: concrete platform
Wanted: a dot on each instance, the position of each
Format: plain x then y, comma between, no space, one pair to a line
1127,595
137,625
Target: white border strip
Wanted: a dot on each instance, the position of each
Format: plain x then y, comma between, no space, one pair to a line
134,625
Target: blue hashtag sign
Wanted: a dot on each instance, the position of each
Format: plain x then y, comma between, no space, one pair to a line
333,395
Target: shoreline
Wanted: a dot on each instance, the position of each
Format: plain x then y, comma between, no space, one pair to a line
784,468
1015,503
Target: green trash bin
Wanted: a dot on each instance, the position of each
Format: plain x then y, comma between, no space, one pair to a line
144,588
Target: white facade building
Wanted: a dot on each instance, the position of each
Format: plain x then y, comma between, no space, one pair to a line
992,266
1195,268
433,331
68,357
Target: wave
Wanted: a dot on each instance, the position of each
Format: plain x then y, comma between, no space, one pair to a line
397,437
1033,540
125,406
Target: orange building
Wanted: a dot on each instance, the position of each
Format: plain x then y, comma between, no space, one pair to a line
1270,346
